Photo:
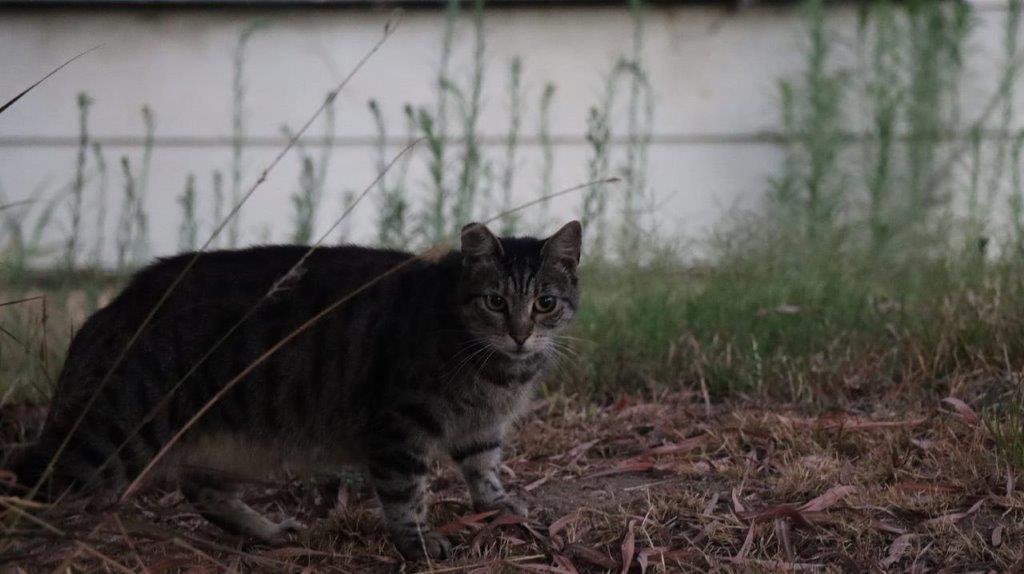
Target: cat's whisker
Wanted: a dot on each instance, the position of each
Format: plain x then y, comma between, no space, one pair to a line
567,350
483,346
572,338
562,357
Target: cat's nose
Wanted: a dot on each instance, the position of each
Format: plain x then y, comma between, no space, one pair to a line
520,339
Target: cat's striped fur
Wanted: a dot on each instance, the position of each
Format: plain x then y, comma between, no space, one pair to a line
436,359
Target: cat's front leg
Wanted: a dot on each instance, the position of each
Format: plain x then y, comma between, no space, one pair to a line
399,476
480,463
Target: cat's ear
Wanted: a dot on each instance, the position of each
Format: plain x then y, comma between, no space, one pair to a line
565,245
478,241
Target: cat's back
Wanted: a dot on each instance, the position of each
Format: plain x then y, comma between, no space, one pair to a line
251,273
197,299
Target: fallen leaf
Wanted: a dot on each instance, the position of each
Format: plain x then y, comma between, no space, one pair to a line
535,484
683,446
737,506
897,549
886,527
804,515
641,559
953,517
844,422
966,413
626,466
917,486
464,522
770,513
564,563
997,536
828,499
644,555
536,567
577,451
297,552
506,519
628,546
782,533
591,556
562,522
663,553
748,542
710,508
778,565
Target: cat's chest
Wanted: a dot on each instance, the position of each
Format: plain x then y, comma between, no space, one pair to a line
508,373
483,408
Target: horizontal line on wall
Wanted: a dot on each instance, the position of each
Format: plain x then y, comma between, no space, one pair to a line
693,139
730,5
428,4
370,141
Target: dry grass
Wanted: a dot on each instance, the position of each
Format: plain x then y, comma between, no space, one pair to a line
660,485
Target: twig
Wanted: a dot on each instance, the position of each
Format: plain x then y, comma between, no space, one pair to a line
131,543
179,542
18,203
26,300
480,564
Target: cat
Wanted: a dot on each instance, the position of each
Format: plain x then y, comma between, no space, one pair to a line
436,357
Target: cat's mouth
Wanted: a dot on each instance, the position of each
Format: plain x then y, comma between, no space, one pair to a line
517,352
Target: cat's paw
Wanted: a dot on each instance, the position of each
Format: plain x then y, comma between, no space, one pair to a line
282,531
432,545
290,527
506,505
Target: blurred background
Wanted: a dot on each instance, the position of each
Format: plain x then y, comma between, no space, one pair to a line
796,179
682,99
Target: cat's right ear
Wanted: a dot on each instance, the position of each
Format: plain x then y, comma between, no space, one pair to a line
478,241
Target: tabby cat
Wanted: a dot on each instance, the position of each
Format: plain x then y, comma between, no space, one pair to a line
436,358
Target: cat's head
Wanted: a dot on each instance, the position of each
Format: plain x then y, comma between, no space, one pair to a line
516,293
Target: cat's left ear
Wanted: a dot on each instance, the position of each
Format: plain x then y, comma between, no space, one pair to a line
479,242
565,245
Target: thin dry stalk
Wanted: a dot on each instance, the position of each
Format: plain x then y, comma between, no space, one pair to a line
25,300
11,102
130,542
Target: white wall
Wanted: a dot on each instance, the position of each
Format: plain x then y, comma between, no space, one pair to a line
714,73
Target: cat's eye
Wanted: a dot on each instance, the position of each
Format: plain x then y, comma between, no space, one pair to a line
495,302
544,304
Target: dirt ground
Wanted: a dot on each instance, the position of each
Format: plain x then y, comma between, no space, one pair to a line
664,485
